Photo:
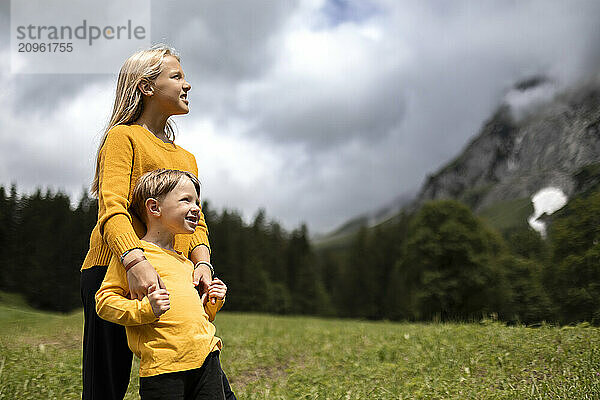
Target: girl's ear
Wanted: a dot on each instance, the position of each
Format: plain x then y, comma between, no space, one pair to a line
152,207
146,87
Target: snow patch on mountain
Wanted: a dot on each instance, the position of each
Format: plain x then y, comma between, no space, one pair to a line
546,201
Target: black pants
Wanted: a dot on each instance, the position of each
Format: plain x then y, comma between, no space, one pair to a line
106,356
205,383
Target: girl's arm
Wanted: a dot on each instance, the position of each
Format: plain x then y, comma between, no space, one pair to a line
200,248
202,273
112,303
115,222
200,235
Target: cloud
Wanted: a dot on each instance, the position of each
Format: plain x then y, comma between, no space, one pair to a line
325,89
317,110
341,11
523,102
55,149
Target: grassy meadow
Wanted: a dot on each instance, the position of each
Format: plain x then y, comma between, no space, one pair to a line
271,357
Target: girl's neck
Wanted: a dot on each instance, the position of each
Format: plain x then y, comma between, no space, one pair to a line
155,123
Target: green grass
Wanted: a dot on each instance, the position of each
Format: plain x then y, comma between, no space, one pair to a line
509,214
268,357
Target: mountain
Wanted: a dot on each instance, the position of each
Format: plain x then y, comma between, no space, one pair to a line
385,214
539,137
536,139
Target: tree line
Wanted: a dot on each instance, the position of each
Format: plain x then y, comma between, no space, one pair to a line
440,263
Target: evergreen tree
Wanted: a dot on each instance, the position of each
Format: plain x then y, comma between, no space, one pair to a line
574,275
9,257
526,243
355,274
527,300
46,234
306,283
5,222
450,264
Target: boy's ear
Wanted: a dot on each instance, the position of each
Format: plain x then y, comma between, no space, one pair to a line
152,207
146,87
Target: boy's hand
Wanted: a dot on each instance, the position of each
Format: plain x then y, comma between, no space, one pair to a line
216,290
159,300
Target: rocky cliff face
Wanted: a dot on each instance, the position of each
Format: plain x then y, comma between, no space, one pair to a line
537,138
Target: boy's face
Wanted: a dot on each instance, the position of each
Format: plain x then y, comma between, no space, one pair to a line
180,208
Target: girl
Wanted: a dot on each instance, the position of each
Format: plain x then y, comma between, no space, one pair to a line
139,138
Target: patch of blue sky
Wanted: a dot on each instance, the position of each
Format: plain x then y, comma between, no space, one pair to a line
338,12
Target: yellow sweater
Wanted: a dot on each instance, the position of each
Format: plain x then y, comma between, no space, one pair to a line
128,152
183,336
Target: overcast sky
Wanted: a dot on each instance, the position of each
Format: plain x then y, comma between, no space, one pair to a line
316,110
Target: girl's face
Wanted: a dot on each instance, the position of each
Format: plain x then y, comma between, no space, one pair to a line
170,88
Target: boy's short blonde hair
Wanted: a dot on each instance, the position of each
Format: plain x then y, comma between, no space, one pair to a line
157,184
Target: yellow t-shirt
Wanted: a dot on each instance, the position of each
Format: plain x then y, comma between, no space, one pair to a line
183,336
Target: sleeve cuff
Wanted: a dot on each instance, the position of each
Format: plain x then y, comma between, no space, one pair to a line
199,240
124,242
211,309
146,313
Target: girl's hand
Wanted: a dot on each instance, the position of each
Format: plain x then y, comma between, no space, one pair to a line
202,278
159,300
140,277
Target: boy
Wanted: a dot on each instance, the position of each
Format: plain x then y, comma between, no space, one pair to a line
170,331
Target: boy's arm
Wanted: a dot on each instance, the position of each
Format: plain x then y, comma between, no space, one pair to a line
112,303
211,309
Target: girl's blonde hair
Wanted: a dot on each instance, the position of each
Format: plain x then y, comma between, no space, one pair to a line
128,106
